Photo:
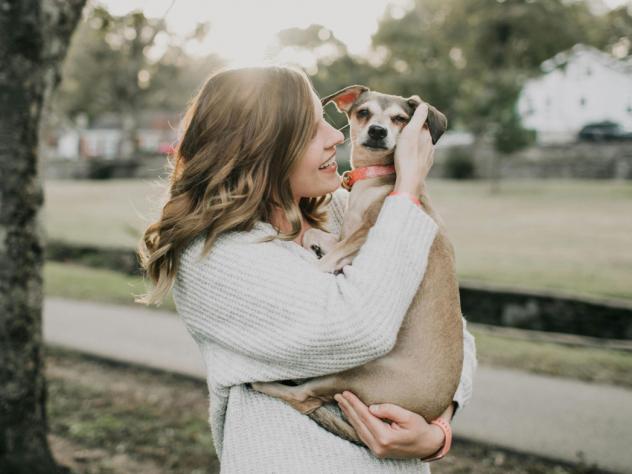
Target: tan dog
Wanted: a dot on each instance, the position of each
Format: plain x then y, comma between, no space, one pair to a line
423,370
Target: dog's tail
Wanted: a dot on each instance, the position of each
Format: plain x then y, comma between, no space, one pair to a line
336,425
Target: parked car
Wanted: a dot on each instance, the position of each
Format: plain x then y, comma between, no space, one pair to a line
603,131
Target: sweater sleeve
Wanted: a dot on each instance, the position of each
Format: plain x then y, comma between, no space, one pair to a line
263,303
464,390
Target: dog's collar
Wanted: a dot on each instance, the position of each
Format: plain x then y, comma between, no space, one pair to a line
349,177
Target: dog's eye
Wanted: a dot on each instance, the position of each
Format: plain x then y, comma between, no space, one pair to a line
362,113
400,119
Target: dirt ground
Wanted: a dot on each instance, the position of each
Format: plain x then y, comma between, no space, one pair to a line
107,418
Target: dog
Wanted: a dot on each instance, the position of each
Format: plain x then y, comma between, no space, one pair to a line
429,344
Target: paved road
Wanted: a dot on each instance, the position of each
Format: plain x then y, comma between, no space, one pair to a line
553,417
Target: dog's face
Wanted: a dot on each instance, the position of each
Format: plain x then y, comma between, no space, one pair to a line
377,119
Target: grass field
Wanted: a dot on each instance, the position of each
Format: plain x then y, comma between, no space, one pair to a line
569,235
95,284
106,419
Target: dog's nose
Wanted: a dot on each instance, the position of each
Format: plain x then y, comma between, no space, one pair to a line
376,132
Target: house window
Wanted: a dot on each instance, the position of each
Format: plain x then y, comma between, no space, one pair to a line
582,101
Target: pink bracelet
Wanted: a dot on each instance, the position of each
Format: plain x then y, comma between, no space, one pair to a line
412,197
447,431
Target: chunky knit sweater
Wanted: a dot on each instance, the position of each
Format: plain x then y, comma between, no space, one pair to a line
263,312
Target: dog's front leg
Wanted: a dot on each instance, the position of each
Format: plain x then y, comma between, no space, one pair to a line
344,251
296,396
333,262
319,242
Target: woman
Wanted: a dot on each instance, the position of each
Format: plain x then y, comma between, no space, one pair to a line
245,186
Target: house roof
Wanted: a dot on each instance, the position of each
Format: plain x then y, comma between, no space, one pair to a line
561,59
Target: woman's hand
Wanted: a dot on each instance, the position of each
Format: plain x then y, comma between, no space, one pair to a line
414,153
408,435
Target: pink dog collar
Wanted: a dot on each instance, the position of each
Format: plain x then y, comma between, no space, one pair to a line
351,176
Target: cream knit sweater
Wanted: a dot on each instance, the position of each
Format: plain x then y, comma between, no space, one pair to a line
262,312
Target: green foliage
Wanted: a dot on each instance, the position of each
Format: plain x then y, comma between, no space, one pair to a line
459,164
615,35
509,135
126,64
469,58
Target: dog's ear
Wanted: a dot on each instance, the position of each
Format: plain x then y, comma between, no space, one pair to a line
344,98
437,122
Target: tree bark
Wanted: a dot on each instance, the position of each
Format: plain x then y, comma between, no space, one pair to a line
34,37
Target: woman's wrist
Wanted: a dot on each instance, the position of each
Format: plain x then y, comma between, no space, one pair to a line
446,437
410,196
407,185
438,438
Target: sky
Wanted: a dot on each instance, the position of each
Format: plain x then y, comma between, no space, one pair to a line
242,30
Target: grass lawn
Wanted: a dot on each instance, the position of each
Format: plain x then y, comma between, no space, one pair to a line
105,418
570,235
597,365
94,284
553,234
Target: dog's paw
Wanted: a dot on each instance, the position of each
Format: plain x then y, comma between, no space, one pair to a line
327,264
342,263
319,242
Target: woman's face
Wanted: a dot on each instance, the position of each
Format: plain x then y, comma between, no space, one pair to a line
307,180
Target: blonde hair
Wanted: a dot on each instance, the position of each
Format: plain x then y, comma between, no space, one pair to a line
241,137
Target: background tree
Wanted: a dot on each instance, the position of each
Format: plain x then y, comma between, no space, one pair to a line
471,58
34,36
326,59
127,65
616,31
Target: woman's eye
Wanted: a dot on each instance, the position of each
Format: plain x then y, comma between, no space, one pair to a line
363,113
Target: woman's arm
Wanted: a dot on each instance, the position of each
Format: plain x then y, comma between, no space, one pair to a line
283,318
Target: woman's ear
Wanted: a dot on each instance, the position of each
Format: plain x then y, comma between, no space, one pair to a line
345,98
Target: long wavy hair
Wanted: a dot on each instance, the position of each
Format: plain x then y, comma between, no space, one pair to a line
241,137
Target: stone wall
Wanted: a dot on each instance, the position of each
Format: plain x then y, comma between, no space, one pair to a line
576,160
546,311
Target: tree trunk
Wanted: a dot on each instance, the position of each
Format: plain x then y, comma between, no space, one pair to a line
34,36
494,172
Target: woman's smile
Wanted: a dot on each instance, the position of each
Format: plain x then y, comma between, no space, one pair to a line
330,168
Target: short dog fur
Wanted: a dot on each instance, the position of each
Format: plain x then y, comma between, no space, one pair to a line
423,370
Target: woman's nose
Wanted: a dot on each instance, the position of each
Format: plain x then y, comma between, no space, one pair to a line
339,136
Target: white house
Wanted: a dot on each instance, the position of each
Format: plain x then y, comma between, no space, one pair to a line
106,137
577,87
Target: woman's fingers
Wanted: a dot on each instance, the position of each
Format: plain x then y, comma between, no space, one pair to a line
377,430
362,430
392,412
419,117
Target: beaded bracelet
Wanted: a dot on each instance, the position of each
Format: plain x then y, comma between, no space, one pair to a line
412,197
